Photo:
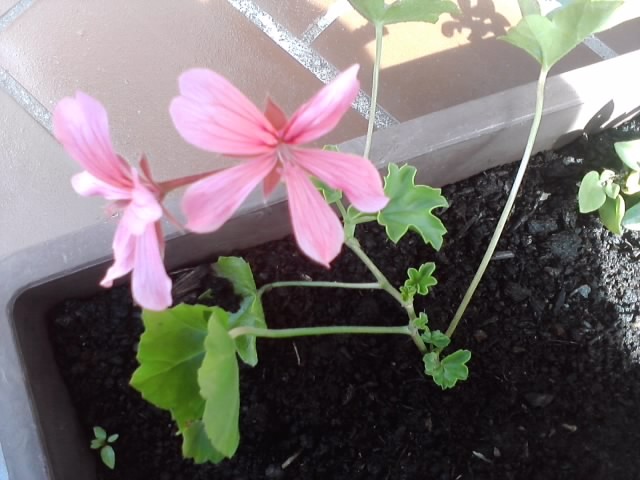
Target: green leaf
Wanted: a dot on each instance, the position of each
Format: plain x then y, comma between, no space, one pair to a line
196,444
219,382
379,13
591,195
421,279
410,207
439,339
611,189
96,443
407,292
631,219
448,371
330,195
170,352
529,7
421,322
113,438
238,272
612,213
632,184
251,313
629,153
431,363
108,456
99,433
548,39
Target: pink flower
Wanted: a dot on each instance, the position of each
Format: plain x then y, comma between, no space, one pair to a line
81,125
213,115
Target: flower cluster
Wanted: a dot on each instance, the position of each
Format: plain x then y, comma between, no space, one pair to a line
211,114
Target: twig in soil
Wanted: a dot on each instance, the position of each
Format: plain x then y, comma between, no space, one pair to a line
291,459
503,255
480,456
295,349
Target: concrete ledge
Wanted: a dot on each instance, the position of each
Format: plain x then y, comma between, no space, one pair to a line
39,434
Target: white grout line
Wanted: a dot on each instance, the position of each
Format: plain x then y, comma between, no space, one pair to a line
27,101
320,24
306,56
13,13
600,48
13,88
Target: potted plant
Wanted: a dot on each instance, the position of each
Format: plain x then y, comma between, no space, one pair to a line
206,438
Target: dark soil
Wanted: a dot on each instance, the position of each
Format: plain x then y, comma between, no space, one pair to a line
554,388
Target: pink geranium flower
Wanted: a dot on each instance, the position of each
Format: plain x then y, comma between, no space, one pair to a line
213,115
81,125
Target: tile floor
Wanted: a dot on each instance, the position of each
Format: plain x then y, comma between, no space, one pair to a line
129,55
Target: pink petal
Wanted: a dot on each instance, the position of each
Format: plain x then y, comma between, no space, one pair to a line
210,202
87,185
142,209
316,227
270,183
214,115
123,253
275,115
322,113
81,125
150,284
355,176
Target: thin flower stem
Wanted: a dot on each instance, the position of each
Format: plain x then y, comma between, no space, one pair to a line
364,286
315,331
170,185
354,245
343,211
374,90
507,208
385,284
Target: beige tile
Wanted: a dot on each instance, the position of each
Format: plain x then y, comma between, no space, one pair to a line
623,38
37,202
129,56
295,15
428,67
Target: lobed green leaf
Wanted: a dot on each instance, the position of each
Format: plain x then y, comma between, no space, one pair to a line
170,353
250,313
196,444
422,278
410,207
400,11
549,38
447,372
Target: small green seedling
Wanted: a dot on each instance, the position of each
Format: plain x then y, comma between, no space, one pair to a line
102,442
606,191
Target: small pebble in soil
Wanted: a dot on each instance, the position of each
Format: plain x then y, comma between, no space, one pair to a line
539,400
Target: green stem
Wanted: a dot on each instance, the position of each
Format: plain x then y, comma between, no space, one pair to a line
270,286
507,208
310,331
374,90
385,284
